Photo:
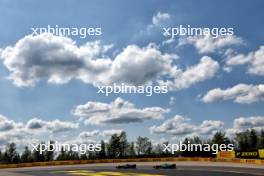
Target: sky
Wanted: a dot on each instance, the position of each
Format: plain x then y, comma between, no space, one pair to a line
48,83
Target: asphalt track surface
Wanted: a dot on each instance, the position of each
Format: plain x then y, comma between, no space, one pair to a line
143,169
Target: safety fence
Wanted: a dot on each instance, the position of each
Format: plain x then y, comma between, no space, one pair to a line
76,162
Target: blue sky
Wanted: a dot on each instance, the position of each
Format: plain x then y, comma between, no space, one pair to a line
126,23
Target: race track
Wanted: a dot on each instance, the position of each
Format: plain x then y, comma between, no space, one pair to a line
143,169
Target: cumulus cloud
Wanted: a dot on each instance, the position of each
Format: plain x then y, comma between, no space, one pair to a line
181,126
6,124
243,123
34,126
205,69
117,112
136,65
111,132
209,44
249,122
96,133
26,133
255,60
54,58
52,126
241,93
88,134
59,60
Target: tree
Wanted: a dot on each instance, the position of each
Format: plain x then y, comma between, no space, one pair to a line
72,155
253,139
49,154
220,138
26,156
243,140
62,155
166,143
261,140
144,146
113,147
123,144
132,152
158,150
1,156
83,156
196,140
102,153
37,156
10,155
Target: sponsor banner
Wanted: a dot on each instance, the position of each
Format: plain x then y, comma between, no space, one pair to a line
247,154
261,153
226,154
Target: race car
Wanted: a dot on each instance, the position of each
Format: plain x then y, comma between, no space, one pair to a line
127,166
165,166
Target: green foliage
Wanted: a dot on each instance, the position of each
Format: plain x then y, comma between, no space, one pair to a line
10,155
261,140
144,146
119,147
37,156
102,153
26,156
249,140
49,154
220,138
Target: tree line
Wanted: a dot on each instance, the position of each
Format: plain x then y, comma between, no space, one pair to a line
119,147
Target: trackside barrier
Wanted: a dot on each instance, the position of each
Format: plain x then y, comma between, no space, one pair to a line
261,153
226,154
75,162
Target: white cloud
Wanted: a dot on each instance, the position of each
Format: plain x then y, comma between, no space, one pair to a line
205,69
54,58
243,123
111,132
239,59
249,122
241,93
160,18
117,112
96,133
32,131
52,126
88,134
209,44
210,127
181,126
34,126
6,124
167,42
255,60
227,69
136,65
59,60
158,21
